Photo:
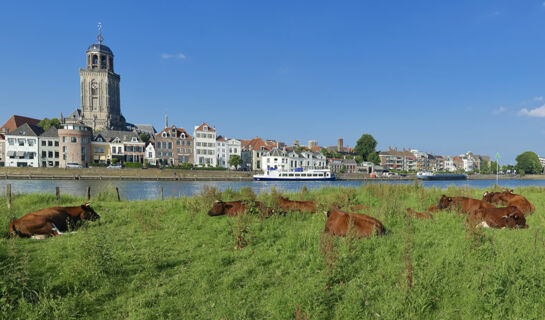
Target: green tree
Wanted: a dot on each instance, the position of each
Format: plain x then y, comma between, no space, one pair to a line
343,169
326,153
365,145
359,159
349,157
46,123
493,167
374,158
528,162
485,168
144,137
235,160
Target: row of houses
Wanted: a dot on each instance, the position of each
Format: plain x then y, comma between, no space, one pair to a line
415,160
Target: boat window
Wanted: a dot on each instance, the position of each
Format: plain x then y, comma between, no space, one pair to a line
303,174
321,174
297,175
315,175
291,174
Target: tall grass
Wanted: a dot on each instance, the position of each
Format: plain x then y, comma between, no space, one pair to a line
168,259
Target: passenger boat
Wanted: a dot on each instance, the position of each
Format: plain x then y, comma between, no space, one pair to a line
298,175
441,176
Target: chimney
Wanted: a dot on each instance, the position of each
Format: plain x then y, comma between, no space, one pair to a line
166,120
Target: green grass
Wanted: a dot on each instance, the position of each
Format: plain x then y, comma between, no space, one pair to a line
169,260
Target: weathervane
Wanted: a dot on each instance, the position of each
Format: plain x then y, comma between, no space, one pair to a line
99,37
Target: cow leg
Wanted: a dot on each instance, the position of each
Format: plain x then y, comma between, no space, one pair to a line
54,230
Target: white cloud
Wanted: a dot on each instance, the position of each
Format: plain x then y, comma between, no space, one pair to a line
178,56
538,98
499,110
538,112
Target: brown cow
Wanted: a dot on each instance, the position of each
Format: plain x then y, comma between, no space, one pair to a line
433,209
296,205
508,198
51,221
235,208
418,215
463,204
337,224
509,217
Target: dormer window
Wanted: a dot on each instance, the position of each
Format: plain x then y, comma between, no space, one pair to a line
182,136
164,134
205,128
134,139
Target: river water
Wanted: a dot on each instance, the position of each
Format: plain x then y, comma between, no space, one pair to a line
140,190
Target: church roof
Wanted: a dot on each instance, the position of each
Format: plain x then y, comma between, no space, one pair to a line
96,47
75,115
124,136
17,121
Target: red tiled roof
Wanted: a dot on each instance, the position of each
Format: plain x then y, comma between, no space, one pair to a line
257,144
179,131
220,138
201,127
316,148
16,121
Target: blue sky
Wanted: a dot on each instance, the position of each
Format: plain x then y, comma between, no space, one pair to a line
441,76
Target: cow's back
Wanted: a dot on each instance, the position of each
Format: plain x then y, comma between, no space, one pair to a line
521,203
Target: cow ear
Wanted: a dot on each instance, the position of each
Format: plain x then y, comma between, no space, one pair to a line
87,204
504,217
485,193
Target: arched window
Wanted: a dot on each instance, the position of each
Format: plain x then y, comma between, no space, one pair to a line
95,59
102,61
94,88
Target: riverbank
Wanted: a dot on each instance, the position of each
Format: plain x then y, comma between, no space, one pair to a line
169,259
154,174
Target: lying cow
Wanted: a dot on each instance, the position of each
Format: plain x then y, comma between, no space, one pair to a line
296,205
337,224
433,209
463,204
509,217
51,221
235,208
508,198
419,215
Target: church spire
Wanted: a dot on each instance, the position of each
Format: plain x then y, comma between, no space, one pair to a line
99,37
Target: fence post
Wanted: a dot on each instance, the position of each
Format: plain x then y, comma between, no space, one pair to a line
88,193
162,194
58,193
8,194
117,191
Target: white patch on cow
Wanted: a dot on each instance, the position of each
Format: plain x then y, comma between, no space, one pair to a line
484,224
55,228
40,236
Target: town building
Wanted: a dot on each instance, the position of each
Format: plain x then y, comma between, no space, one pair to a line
398,160
124,146
101,153
289,160
173,147
149,156
204,138
16,121
21,146
234,147
75,144
49,147
222,152
252,152
2,149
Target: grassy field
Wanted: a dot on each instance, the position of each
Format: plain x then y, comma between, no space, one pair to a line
169,260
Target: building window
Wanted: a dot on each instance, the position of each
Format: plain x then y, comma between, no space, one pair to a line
44,143
44,154
189,143
56,155
73,139
21,142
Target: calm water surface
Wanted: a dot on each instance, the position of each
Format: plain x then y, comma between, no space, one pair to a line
139,190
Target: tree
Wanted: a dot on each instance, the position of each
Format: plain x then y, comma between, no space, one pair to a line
493,167
46,123
528,162
359,159
144,137
326,153
374,158
343,169
235,160
485,168
365,145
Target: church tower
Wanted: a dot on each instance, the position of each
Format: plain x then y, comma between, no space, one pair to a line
100,105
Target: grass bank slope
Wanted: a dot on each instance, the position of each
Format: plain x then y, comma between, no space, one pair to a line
169,260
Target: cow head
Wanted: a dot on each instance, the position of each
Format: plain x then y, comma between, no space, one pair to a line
444,202
515,219
88,213
492,197
217,209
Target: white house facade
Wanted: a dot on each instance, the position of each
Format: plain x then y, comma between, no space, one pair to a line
21,146
289,160
149,155
204,144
